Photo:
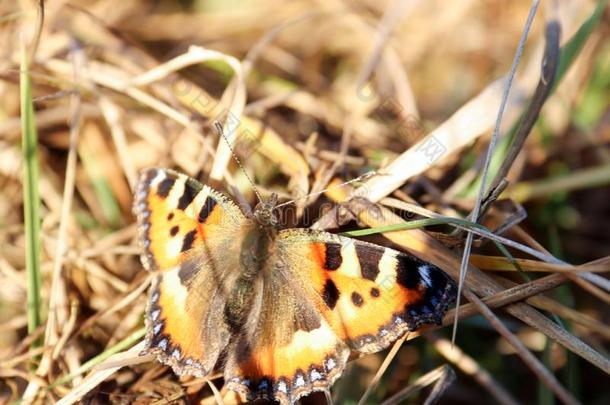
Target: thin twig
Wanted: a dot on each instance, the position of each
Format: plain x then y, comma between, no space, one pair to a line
443,375
550,63
509,296
384,366
469,366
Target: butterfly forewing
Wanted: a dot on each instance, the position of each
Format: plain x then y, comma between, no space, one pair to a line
183,228
177,214
370,295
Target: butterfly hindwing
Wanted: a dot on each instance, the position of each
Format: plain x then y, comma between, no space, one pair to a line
369,295
290,350
183,326
183,228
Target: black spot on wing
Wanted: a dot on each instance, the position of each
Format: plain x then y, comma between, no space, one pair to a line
369,261
407,273
332,257
188,240
357,299
206,209
330,294
170,216
375,292
438,294
174,230
165,187
187,197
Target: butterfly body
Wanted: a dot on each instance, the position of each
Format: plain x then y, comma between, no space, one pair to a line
256,245
278,310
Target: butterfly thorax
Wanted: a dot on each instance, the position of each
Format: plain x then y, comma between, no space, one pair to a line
256,247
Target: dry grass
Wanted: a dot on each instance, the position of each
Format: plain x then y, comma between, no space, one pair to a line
316,93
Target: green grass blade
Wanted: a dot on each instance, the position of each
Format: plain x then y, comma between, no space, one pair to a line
573,47
119,347
102,189
569,52
420,223
31,197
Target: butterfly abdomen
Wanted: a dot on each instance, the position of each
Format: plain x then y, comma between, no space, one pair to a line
240,299
253,256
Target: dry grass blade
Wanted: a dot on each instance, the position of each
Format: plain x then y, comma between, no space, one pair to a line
388,22
581,179
470,227
234,98
235,104
58,289
468,365
584,284
464,126
116,79
441,377
120,304
498,263
546,304
517,293
58,315
550,64
104,370
112,115
386,362
577,318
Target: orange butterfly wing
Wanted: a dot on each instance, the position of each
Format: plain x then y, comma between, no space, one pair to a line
177,215
322,295
369,295
186,230
288,350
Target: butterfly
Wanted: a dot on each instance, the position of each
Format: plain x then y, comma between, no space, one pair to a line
277,310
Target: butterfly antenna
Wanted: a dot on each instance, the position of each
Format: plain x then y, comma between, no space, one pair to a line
359,178
221,132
